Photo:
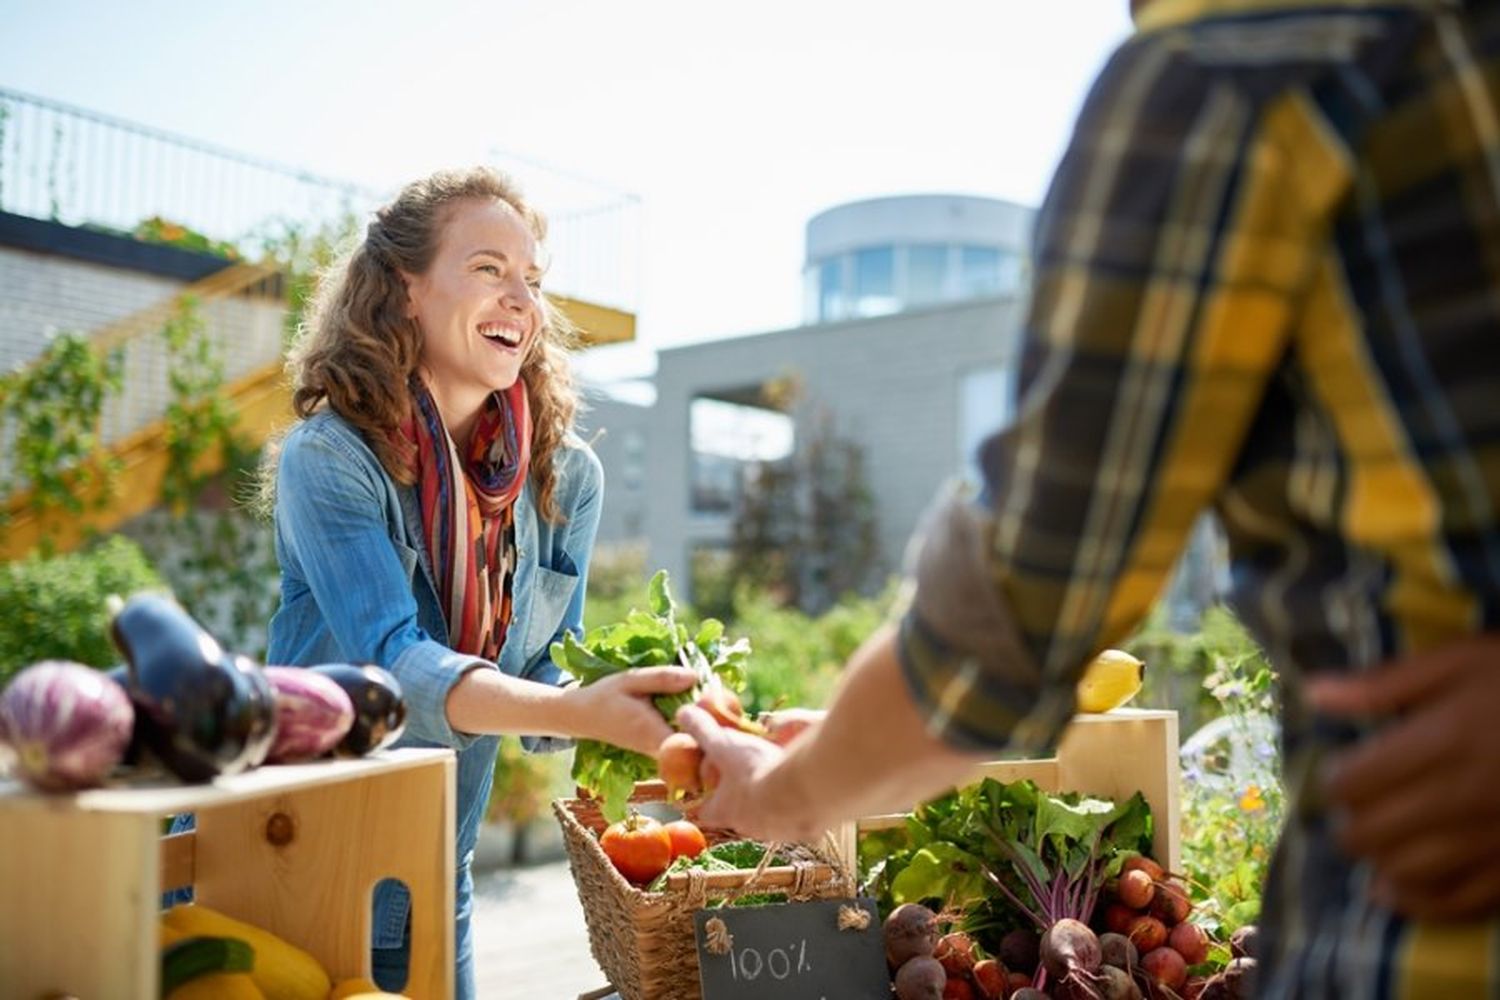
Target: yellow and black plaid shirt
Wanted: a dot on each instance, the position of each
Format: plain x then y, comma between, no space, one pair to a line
1267,281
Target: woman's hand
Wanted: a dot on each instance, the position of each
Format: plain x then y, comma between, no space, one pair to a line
617,709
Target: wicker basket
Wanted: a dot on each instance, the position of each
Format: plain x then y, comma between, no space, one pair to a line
643,940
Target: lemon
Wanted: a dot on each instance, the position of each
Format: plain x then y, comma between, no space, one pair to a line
1112,679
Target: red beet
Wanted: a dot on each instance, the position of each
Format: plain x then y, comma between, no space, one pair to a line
1147,933
1139,862
1020,951
1190,942
956,953
1116,950
957,989
921,978
1118,917
911,930
1135,889
1243,942
1165,967
989,979
1070,954
1171,905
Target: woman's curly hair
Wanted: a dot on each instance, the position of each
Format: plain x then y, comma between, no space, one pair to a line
358,348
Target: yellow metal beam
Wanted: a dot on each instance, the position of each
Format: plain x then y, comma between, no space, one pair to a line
262,405
597,324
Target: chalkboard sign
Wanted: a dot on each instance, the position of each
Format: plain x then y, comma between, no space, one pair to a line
794,951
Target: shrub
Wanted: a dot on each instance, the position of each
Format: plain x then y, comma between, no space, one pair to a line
56,608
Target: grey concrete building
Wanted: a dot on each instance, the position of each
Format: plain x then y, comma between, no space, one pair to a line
916,390
617,430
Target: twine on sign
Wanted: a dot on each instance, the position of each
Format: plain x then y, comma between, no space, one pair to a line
853,918
718,940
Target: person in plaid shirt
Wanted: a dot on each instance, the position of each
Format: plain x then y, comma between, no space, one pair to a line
1267,282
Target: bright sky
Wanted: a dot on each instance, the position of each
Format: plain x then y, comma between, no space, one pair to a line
732,123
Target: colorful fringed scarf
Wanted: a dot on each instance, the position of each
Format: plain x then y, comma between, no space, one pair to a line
468,512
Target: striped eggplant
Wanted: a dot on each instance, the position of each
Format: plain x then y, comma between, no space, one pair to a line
312,714
379,707
66,725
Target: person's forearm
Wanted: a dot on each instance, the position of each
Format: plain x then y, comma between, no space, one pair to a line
872,753
488,701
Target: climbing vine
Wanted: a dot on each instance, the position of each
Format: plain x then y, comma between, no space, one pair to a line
49,423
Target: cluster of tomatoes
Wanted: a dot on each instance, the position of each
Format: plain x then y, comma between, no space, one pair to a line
641,848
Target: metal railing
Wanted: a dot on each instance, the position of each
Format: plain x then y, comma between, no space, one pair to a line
79,167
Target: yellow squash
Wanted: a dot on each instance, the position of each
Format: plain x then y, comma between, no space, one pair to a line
1112,679
219,986
282,971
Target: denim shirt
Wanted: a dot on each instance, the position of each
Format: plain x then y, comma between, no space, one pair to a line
357,587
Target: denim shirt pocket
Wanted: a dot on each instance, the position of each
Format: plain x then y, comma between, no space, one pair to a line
551,592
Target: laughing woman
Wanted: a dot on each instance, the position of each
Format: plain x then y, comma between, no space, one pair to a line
434,513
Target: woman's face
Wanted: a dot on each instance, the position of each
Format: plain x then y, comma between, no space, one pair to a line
478,305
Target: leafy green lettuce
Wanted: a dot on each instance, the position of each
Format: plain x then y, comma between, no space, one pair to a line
645,639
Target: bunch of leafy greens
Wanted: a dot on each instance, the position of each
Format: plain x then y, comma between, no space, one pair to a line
730,856
1006,854
645,639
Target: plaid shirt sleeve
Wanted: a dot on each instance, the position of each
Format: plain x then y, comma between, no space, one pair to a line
1168,258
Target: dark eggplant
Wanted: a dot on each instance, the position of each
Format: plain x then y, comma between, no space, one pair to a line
121,676
205,714
262,696
379,706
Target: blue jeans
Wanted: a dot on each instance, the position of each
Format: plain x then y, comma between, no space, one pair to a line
390,967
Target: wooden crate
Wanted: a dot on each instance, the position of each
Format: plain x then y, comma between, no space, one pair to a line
295,850
1113,755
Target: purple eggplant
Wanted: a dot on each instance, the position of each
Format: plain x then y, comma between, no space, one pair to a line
312,714
66,725
204,713
379,707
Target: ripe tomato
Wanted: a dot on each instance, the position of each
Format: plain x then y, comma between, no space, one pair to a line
687,840
638,846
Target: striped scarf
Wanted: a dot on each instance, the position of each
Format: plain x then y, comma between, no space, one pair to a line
468,512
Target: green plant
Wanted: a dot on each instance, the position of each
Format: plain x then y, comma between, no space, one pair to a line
199,420
1233,801
806,524
49,417
56,608
522,783
797,657
304,251
159,230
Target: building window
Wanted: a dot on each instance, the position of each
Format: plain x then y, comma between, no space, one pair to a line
633,460
986,403
926,273
875,281
978,271
831,302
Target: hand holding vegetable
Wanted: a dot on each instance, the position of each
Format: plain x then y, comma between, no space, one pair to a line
743,800
1418,794
619,710
786,724
609,761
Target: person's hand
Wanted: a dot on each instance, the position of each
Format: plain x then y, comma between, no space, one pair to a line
743,800
617,709
786,724
1419,798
